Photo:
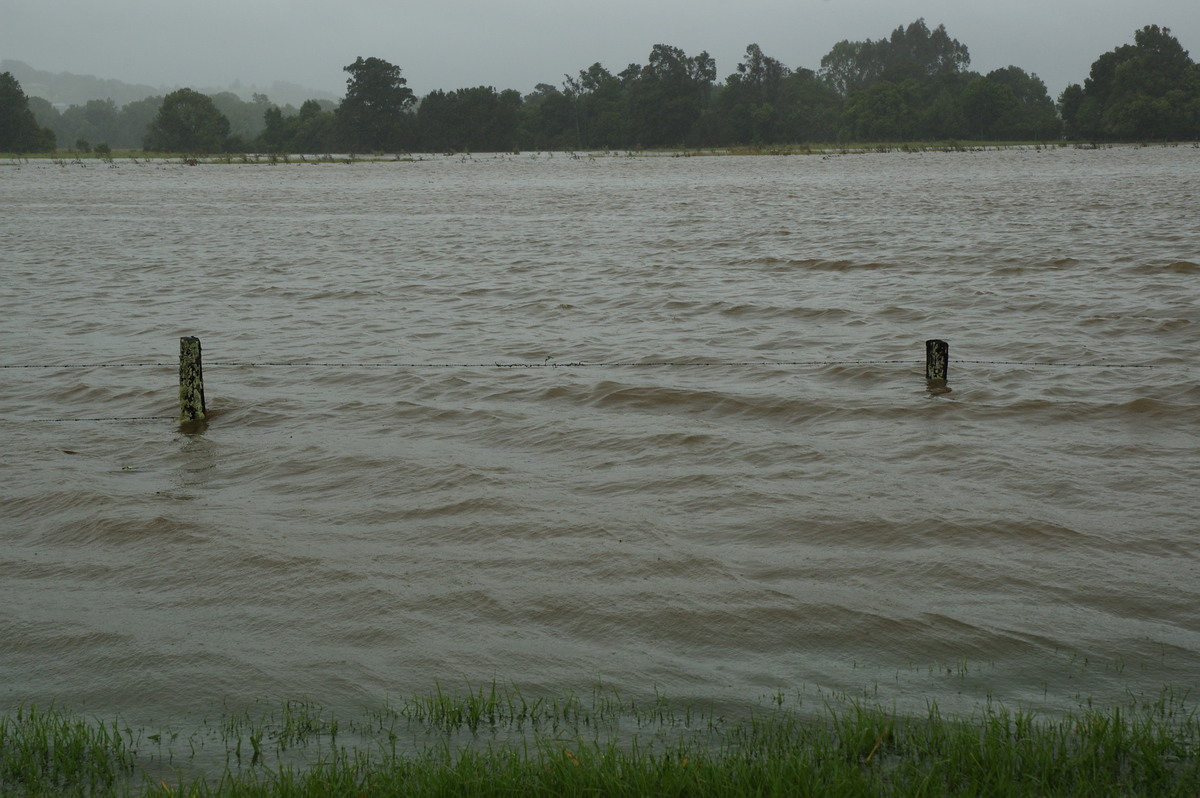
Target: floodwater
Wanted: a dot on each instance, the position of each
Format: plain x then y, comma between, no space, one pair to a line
648,422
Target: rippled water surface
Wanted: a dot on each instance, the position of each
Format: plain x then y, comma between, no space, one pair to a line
708,462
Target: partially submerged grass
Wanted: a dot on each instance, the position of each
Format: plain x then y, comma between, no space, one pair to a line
492,740
48,752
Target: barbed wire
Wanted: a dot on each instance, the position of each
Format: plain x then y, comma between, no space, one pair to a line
554,364
1059,365
104,419
82,365
551,364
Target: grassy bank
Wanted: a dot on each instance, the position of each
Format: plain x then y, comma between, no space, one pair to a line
494,741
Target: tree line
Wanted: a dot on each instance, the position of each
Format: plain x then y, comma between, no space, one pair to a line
914,85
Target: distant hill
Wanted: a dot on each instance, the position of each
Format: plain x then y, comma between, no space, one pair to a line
63,89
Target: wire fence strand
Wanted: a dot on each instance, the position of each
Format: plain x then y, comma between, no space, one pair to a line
103,419
579,364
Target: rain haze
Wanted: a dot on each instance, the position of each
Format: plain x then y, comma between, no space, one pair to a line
521,43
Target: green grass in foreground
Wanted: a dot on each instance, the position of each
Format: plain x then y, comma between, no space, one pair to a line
492,741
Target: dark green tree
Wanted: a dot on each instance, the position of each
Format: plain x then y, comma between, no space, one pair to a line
760,76
915,53
1033,116
478,119
438,124
810,111
315,128
765,102
1149,90
311,130
548,119
852,66
985,102
750,104
277,131
134,120
504,131
666,97
598,99
903,88
187,121
98,120
19,130
884,112
1070,107
372,116
940,114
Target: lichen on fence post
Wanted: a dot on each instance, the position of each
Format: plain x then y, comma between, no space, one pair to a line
191,381
937,358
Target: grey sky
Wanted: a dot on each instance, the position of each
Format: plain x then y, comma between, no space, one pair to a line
450,44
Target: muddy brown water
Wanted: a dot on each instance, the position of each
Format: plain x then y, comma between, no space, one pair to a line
717,529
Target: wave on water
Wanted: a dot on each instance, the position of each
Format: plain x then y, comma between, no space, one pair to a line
813,264
1174,267
509,419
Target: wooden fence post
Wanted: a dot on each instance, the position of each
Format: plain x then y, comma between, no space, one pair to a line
191,381
937,358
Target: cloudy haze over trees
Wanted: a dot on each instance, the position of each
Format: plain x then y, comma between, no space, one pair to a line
915,84
257,44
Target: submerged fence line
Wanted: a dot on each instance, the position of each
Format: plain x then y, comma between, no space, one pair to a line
192,410
574,364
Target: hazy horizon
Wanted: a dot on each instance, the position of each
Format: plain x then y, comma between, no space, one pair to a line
466,43
238,87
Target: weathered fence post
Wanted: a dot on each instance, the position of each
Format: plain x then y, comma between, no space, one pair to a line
937,357
191,381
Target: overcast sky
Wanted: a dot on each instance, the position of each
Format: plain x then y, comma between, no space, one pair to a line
451,44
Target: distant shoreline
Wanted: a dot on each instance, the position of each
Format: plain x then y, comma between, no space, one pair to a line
134,156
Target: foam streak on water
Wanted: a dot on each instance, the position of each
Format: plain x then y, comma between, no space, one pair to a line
349,532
